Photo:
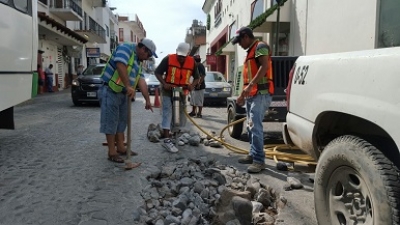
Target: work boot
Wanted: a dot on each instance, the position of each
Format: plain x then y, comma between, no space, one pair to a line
256,167
246,160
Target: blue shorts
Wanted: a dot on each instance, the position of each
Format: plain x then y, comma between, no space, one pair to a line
114,111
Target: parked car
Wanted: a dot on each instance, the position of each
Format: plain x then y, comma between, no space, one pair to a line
217,88
152,84
85,87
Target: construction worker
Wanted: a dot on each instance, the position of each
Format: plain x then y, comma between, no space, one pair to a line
257,90
178,68
119,77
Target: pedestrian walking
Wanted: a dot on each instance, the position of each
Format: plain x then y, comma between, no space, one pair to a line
179,68
197,95
49,78
119,77
42,78
256,95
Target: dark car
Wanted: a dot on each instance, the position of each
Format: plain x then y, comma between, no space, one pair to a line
85,87
217,88
152,84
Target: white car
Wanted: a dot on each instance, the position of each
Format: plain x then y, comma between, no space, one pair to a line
217,88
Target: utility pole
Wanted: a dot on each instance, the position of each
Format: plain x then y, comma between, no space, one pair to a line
277,26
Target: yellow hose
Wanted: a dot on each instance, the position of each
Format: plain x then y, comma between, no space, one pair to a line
277,152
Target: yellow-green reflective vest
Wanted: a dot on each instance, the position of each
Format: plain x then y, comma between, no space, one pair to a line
116,83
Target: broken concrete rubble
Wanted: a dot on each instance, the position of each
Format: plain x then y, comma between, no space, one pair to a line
199,191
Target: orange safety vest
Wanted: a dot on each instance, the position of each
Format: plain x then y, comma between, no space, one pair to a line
179,74
250,69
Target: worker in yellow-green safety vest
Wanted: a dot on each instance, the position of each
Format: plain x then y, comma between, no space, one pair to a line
120,76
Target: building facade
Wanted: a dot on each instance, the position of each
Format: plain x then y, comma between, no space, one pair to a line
196,38
73,33
58,44
299,27
99,25
76,32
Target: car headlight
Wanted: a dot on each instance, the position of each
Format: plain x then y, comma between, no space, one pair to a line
75,82
227,89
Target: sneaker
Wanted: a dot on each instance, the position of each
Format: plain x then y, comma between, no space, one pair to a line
256,167
199,116
167,144
192,114
246,160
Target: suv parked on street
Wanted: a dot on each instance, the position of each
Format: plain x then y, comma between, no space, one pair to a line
85,87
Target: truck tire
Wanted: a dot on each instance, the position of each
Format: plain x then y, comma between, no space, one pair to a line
355,183
235,131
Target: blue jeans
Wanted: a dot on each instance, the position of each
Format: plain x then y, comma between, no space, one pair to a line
49,83
166,122
255,109
114,111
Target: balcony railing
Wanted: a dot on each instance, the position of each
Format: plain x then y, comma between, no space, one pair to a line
66,4
97,28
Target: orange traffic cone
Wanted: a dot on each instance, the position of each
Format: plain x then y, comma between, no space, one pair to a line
157,103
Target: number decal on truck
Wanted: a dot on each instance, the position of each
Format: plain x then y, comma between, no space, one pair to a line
301,74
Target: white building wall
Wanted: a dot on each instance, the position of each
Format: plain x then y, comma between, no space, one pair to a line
238,12
202,52
103,15
316,27
298,27
127,31
339,26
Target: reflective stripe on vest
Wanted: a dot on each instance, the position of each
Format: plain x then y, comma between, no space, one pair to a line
116,83
250,69
177,74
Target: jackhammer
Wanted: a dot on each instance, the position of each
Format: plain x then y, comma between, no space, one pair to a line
178,110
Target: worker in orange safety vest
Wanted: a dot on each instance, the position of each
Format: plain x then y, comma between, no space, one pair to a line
256,95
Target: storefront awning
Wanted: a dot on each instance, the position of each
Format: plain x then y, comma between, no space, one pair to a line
50,29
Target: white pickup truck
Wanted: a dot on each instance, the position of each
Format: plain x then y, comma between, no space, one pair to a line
344,110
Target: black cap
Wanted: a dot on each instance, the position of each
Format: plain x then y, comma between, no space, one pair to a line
239,33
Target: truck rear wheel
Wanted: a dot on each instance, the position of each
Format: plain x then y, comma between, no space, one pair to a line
235,131
356,184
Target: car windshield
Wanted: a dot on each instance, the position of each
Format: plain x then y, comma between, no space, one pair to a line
93,70
152,78
214,77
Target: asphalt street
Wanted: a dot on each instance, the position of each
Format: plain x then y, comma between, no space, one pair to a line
54,169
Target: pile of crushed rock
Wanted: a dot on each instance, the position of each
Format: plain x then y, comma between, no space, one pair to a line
155,133
199,191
